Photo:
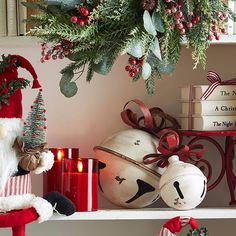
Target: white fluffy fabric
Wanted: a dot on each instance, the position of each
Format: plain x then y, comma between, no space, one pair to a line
43,208
18,202
8,158
46,162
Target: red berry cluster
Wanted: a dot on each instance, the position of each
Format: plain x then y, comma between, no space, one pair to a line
57,51
218,25
180,20
135,65
83,18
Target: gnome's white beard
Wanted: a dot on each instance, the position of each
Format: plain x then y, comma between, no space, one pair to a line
8,158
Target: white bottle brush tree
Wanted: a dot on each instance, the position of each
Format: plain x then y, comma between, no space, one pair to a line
34,131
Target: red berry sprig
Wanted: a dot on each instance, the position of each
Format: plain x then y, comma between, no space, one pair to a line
218,25
83,18
57,51
175,10
135,66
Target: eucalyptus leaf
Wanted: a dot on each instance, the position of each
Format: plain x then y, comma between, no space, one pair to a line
67,76
74,56
53,2
56,9
30,5
103,67
155,47
157,22
67,2
69,89
135,49
148,25
166,67
146,71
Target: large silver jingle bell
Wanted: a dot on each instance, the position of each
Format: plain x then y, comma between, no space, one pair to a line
123,178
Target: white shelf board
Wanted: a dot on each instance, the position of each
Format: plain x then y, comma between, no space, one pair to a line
150,214
27,41
225,39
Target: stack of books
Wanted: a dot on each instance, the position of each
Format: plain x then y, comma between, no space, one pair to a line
12,16
216,113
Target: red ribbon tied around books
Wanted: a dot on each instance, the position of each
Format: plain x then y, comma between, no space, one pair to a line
169,144
215,80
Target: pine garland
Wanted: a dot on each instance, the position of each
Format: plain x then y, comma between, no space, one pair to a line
93,33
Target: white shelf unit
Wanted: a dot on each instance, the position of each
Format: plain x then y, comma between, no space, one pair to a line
150,214
28,41
225,39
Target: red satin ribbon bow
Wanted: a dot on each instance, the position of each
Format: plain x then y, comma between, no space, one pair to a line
215,80
169,144
131,119
150,124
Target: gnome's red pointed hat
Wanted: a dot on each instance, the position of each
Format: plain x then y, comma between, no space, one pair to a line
11,85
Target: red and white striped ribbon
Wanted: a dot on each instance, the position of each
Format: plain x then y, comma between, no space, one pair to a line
166,232
17,185
215,80
184,221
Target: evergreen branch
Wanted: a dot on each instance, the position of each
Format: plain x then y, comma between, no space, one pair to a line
150,85
110,28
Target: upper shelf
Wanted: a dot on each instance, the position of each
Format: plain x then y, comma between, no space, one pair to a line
225,39
151,214
26,41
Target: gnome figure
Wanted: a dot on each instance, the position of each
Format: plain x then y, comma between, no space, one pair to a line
11,111
15,182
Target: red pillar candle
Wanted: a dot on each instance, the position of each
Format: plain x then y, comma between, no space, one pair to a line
52,178
80,182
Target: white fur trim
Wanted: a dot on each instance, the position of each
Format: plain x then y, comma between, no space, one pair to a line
8,158
18,202
46,162
43,208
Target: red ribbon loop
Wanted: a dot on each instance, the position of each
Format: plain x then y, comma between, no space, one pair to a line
149,123
169,145
131,118
215,80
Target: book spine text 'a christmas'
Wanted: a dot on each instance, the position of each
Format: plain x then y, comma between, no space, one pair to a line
209,108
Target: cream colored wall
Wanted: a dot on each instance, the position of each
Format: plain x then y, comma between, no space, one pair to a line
94,113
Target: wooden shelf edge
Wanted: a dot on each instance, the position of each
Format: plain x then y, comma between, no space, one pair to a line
150,214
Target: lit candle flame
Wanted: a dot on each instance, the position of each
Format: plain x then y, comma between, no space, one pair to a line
80,166
59,155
